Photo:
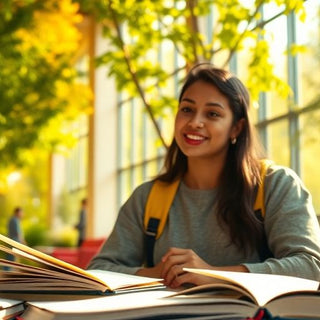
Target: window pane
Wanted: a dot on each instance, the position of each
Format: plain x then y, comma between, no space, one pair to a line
125,134
308,34
278,142
310,154
276,104
77,162
125,186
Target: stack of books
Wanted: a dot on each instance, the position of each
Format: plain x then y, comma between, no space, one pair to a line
38,286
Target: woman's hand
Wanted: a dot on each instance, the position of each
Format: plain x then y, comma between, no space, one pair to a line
176,259
152,272
173,263
170,268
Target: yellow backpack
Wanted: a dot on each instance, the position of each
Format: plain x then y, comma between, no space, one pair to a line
159,202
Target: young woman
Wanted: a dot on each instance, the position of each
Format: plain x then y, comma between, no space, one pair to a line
212,223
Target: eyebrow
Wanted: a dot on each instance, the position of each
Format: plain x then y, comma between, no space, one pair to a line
209,104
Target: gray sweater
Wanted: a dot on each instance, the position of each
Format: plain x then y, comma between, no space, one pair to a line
290,223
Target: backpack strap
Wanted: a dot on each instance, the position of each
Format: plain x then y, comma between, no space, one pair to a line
259,207
260,210
156,212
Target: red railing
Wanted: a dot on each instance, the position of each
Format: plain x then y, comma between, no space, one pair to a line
81,256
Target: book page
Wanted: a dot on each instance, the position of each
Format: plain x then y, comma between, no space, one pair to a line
9,309
7,303
263,287
40,255
74,277
221,290
155,304
44,269
303,305
117,281
115,302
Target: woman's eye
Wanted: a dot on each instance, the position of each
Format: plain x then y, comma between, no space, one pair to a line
186,109
213,114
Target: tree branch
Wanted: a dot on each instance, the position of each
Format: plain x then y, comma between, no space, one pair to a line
133,74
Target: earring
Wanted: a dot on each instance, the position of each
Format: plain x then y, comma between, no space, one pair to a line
233,140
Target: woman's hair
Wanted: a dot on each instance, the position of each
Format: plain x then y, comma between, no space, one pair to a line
241,173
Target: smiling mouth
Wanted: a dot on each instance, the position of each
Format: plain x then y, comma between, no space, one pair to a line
194,137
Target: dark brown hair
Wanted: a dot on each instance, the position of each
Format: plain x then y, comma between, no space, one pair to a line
241,173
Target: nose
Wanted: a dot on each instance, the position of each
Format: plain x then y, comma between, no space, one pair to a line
196,122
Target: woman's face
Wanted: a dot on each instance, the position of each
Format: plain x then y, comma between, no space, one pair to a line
204,122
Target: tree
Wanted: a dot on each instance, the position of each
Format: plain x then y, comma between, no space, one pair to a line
38,81
136,30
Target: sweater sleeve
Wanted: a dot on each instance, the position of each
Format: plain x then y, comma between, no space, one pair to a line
291,227
124,250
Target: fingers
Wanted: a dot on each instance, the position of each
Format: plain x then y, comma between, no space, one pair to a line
191,278
173,263
183,278
173,252
174,257
172,276
177,277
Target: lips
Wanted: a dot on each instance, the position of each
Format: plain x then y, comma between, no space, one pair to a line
194,139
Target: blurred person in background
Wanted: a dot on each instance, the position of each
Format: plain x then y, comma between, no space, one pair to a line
82,222
15,231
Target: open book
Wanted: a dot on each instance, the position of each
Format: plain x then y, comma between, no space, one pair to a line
35,275
285,296
232,295
155,304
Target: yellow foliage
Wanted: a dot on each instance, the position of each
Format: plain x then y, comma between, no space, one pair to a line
78,96
55,37
5,182
55,31
32,98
